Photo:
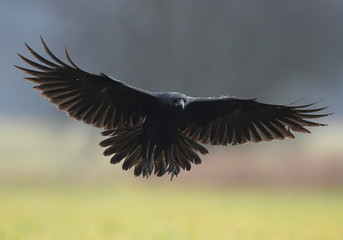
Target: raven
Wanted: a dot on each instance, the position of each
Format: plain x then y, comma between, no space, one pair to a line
160,131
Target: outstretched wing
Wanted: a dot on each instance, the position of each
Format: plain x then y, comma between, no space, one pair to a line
226,120
94,99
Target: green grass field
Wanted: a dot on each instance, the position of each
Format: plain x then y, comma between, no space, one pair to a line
56,185
168,212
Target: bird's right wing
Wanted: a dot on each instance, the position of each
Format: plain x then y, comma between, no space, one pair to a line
94,99
227,120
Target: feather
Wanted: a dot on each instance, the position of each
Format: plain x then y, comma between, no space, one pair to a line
160,164
118,157
139,166
133,158
40,58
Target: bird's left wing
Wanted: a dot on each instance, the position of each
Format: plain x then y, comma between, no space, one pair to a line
94,99
227,120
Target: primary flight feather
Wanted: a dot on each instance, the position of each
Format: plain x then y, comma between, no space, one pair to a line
159,132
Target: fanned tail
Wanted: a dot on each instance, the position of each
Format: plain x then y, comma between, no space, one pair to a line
127,144
184,153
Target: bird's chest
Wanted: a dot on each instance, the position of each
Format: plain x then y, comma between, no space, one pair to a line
161,126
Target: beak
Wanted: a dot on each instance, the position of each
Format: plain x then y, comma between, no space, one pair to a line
180,104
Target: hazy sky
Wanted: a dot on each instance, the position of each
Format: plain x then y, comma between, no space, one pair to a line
281,50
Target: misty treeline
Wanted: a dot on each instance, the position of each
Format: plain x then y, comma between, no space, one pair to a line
199,47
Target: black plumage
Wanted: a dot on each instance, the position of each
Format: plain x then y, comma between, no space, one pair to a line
160,131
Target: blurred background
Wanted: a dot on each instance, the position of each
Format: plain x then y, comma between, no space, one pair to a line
54,181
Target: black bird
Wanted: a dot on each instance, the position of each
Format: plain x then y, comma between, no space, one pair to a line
160,131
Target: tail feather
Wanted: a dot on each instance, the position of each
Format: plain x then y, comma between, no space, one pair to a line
192,144
186,147
139,166
167,156
118,157
127,144
132,159
160,164
182,159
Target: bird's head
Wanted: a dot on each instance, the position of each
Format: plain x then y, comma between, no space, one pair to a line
178,103
174,100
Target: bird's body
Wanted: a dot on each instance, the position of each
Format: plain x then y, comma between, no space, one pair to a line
165,119
161,131
161,125
156,139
